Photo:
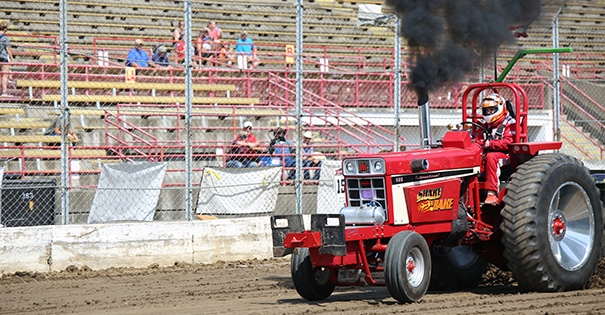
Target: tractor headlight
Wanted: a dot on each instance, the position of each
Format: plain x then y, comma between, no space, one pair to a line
350,166
378,166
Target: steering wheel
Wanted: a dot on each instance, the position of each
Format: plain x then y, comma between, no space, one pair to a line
486,133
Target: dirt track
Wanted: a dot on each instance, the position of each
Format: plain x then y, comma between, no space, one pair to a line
264,288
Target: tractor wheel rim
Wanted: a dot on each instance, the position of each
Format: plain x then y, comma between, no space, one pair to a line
322,275
570,226
414,267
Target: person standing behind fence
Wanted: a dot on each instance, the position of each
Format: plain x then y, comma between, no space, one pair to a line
245,51
243,149
6,56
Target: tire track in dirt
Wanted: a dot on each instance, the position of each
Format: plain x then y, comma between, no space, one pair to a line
262,287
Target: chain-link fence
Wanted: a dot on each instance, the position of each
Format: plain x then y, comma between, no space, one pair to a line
288,90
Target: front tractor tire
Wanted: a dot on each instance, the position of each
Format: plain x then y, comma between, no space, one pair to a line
552,224
407,267
311,283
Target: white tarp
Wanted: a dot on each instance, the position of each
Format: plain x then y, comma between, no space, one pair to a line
330,193
370,14
238,190
127,192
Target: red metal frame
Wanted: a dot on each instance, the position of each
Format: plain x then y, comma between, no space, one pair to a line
477,91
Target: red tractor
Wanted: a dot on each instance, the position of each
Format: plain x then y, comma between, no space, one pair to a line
415,219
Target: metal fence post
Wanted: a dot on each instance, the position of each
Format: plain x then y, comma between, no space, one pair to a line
299,100
555,80
64,121
188,114
397,91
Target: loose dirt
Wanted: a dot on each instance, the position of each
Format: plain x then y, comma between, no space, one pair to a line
263,287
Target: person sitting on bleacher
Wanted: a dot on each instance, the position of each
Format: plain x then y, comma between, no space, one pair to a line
138,58
55,128
281,150
310,159
243,149
178,33
160,57
203,46
214,31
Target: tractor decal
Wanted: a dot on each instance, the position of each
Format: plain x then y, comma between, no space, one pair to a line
430,200
436,205
433,201
429,194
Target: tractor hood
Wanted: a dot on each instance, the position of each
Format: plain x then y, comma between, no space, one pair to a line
457,152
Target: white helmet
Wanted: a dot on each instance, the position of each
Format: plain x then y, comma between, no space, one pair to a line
493,109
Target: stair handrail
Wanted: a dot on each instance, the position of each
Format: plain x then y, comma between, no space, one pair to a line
124,127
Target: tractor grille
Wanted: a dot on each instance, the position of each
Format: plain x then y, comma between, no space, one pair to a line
363,191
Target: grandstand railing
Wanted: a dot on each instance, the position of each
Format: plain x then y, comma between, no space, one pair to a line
355,90
330,118
573,142
587,116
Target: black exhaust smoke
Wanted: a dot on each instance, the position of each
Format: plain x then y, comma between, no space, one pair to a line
447,37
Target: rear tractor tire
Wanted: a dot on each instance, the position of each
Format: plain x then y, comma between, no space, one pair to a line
311,283
407,267
552,224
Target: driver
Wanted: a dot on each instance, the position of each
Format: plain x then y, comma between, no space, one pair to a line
500,126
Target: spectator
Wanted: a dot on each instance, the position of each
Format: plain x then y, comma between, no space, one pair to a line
245,51
309,158
243,149
180,51
204,47
223,53
500,127
55,128
6,56
178,33
214,31
280,149
138,58
160,57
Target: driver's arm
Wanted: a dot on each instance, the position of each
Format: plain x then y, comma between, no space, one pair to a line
501,144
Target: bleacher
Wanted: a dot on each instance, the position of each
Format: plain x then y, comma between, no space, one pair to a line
360,62
154,21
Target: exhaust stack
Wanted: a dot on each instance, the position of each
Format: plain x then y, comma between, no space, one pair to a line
425,121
